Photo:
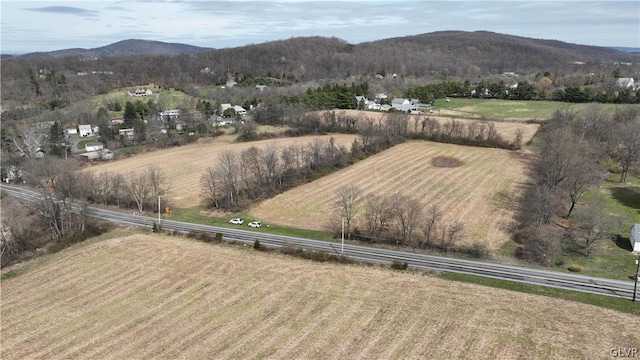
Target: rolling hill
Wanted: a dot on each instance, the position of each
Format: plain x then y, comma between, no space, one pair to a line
127,48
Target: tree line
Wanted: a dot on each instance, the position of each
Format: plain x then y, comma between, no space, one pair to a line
577,151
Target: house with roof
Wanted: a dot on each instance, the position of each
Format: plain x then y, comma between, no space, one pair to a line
404,105
140,92
625,83
170,114
85,130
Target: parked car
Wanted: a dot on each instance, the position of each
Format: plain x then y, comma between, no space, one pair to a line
236,221
255,224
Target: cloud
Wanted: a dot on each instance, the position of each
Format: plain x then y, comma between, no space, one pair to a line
68,10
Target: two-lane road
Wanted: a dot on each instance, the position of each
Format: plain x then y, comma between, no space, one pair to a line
602,286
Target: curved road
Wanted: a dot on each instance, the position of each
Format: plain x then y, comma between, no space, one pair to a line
595,285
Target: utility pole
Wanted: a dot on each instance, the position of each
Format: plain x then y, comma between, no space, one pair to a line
158,210
342,237
635,285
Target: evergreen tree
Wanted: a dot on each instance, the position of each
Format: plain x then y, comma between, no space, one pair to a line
57,142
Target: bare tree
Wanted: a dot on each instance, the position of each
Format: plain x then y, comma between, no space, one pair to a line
210,183
139,188
625,142
57,182
593,224
377,214
26,140
432,219
229,171
407,211
347,204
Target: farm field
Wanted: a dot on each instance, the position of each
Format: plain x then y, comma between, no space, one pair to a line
143,296
506,109
481,192
506,129
183,166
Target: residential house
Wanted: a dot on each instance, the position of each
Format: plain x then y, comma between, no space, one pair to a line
85,130
140,92
625,83
95,146
170,114
401,104
128,134
240,110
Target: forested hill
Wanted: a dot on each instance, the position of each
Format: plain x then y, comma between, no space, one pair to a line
449,55
126,48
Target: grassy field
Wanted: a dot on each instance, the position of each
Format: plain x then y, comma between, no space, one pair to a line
506,109
481,192
183,166
160,297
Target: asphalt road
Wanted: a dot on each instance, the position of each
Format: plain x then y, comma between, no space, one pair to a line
588,284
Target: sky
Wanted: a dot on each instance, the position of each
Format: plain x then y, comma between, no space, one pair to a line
30,26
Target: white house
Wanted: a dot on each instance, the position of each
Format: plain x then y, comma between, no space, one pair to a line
401,104
171,113
127,133
85,130
94,146
625,83
240,110
634,238
140,92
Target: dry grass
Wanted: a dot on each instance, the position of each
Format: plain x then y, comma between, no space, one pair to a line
507,129
183,166
481,192
143,297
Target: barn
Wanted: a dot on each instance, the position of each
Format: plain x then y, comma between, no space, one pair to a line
634,237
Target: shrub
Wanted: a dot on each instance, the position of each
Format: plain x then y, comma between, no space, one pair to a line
397,265
560,262
256,244
575,268
218,236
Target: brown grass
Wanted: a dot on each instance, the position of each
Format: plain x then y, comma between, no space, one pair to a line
143,297
481,192
183,166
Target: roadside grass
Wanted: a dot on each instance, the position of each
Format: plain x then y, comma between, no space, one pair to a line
609,302
196,215
501,109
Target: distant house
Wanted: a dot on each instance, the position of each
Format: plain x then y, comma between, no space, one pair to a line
71,131
240,110
85,130
261,87
140,92
95,146
127,133
170,114
509,74
400,104
625,83
634,238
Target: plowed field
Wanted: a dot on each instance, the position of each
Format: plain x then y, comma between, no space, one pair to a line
144,297
481,192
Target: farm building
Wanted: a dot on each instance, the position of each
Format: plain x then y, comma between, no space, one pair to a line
634,238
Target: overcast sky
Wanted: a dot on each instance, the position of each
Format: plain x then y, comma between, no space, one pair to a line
29,26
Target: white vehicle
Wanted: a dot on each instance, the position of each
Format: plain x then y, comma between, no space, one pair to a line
236,221
255,224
